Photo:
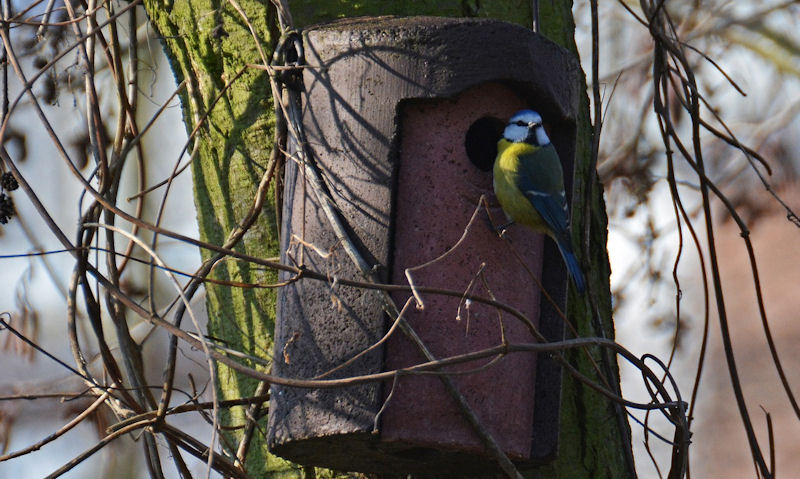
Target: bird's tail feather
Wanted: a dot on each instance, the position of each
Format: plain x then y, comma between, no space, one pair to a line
572,266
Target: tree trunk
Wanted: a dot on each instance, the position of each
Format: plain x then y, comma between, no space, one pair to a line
209,45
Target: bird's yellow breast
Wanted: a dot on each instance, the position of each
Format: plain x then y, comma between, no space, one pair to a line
506,181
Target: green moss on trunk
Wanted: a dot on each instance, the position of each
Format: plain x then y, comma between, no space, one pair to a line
209,44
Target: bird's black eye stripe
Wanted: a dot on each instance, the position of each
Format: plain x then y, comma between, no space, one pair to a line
526,124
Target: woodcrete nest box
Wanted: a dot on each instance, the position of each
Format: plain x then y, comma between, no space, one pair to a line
401,117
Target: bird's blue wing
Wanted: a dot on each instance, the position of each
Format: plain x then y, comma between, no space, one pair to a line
541,180
552,207
553,210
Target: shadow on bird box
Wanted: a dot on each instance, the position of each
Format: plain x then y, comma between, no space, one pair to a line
402,117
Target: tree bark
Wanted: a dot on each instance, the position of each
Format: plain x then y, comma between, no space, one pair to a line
209,44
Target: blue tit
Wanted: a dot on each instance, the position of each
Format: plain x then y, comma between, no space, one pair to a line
529,184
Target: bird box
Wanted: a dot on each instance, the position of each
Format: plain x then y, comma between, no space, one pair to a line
401,117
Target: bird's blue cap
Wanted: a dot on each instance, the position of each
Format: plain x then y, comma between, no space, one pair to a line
526,116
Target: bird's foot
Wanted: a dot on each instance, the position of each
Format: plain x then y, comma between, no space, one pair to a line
501,230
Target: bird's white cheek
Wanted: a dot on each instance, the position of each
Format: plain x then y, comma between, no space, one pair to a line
515,133
541,136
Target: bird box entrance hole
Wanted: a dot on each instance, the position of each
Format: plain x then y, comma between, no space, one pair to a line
395,111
